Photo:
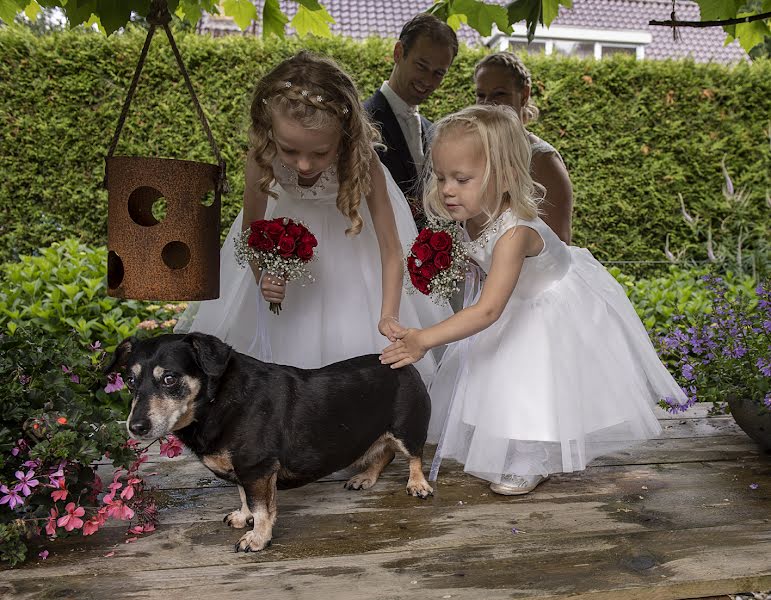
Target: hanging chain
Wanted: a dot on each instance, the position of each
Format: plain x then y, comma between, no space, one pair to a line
159,15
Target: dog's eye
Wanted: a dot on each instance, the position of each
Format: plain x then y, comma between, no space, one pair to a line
130,381
169,379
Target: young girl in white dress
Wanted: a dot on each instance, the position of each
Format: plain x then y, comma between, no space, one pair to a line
312,159
555,368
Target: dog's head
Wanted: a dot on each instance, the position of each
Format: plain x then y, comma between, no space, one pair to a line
170,377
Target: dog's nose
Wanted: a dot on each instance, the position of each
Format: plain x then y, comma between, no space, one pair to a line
139,427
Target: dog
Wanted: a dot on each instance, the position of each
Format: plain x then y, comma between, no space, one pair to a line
265,427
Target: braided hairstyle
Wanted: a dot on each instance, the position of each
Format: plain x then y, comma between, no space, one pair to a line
317,93
519,72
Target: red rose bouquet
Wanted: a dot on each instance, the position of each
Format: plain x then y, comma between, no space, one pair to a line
281,247
437,262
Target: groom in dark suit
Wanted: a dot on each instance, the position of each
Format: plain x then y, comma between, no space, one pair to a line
422,56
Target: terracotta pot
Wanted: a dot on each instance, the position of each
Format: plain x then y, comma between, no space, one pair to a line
755,424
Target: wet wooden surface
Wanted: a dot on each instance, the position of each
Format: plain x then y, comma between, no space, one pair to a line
674,518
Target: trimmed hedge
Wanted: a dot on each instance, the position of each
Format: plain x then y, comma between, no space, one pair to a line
633,134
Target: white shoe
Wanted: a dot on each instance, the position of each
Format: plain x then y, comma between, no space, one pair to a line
514,485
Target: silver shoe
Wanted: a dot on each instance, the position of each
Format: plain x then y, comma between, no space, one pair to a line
514,485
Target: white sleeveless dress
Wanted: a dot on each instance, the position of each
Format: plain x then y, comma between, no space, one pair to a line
566,374
331,319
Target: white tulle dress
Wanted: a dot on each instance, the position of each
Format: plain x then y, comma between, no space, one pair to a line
326,321
566,374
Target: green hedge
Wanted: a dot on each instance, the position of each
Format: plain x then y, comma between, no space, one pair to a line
633,134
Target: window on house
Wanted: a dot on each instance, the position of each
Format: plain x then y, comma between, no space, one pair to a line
570,48
611,50
522,46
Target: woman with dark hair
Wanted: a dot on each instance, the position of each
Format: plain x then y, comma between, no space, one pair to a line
502,78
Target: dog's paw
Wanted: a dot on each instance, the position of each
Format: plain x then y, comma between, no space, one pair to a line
238,520
252,542
419,489
362,481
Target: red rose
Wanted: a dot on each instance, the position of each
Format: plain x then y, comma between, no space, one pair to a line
411,268
442,261
258,226
428,270
293,230
264,243
420,283
309,239
422,252
441,241
286,246
275,230
304,251
424,235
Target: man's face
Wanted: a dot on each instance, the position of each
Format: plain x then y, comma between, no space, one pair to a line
419,72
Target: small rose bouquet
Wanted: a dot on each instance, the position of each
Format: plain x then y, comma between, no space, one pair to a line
437,262
281,247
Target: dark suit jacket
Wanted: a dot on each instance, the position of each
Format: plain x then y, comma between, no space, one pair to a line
397,157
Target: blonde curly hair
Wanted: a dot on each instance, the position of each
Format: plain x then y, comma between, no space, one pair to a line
319,94
503,141
519,73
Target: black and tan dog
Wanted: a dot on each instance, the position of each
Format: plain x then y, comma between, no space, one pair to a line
264,426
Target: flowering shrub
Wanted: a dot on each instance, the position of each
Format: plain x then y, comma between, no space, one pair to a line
726,352
51,434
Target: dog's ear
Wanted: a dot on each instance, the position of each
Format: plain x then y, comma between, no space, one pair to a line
121,355
212,355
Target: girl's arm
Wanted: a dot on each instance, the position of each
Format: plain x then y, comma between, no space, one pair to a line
255,204
390,250
549,170
508,257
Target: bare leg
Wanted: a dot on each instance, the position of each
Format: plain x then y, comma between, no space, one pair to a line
261,502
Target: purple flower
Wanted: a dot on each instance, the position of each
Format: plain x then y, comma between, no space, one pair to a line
114,383
24,379
10,497
26,482
767,401
754,486
764,365
687,371
43,555
31,464
97,345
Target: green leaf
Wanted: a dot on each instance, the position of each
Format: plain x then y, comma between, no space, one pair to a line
716,10
9,8
273,19
481,16
751,34
242,11
309,20
79,11
455,21
530,11
551,9
32,10
189,10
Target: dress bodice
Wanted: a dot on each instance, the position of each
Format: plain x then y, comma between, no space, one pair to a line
324,191
538,272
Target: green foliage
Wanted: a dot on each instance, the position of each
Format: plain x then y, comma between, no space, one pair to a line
63,290
678,293
634,134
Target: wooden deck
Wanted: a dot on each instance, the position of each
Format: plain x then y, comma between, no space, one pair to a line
676,518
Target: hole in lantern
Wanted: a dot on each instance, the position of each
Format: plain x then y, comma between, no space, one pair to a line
207,199
175,255
115,270
147,206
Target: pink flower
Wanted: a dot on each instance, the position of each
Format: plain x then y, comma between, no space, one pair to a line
127,493
149,527
95,346
60,493
137,529
31,464
118,510
72,519
11,497
171,446
26,482
114,383
43,555
91,526
24,379
51,522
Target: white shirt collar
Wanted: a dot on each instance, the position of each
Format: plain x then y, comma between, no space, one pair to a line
399,106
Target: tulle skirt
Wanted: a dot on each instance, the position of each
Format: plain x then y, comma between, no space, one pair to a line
561,378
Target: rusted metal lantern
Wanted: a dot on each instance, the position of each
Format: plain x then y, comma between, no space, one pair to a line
171,257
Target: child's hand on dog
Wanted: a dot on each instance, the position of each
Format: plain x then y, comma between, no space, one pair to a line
407,349
273,288
389,327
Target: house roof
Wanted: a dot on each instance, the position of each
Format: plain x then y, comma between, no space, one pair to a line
359,19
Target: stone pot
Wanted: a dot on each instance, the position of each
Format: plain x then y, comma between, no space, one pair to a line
755,424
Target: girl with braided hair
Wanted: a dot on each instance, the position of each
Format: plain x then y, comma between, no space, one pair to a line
313,159
502,78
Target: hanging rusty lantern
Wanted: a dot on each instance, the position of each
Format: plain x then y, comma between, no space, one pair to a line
152,256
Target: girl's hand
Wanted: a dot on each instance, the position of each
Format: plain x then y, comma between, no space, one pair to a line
405,351
273,288
390,327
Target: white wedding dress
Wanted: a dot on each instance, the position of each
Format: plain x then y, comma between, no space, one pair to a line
331,319
566,374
